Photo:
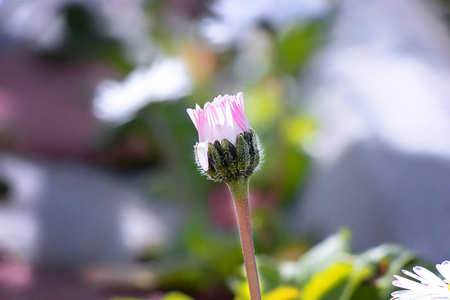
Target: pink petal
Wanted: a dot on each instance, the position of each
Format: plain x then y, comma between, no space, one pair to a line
224,118
193,115
202,154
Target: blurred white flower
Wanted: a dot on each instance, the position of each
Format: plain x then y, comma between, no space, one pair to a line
234,18
42,23
120,16
38,22
165,79
429,286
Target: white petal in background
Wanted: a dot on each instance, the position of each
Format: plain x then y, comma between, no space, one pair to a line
233,20
166,79
41,23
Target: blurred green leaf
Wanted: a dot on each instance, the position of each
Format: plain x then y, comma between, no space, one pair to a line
373,272
282,292
268,272
333,249
269,277
241,290
176,296
328,271
295,167
297,44
262,104
85,38
299,129
327,284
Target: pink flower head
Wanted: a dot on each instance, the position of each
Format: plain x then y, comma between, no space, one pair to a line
224,118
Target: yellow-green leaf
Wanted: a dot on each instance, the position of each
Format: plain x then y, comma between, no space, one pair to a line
176,296
325,281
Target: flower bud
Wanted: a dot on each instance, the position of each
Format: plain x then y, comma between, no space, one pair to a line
228,148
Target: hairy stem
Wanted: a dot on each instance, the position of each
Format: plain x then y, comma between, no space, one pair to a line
239,191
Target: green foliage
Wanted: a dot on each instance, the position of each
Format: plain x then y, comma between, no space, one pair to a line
329,271
176,296
334,248
167,296
202,260
327,284
296,45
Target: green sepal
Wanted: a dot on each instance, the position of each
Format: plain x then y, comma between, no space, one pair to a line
212,171
229,157
257,149
242,153
214,150
228,162
251,153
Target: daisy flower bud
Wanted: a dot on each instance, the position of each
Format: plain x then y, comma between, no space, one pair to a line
227,148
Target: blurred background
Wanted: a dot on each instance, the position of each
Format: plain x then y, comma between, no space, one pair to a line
99,194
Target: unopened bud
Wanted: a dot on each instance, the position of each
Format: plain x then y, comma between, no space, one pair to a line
227,161
228,148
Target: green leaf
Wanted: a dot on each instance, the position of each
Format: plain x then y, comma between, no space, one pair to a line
397,258
318,258
329,283
297,44
268,272
282,292
298,130
269,277
373,271
176,296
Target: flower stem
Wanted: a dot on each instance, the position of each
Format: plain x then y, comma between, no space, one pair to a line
239,191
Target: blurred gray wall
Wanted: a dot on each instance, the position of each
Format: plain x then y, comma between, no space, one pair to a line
381,92
69,214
